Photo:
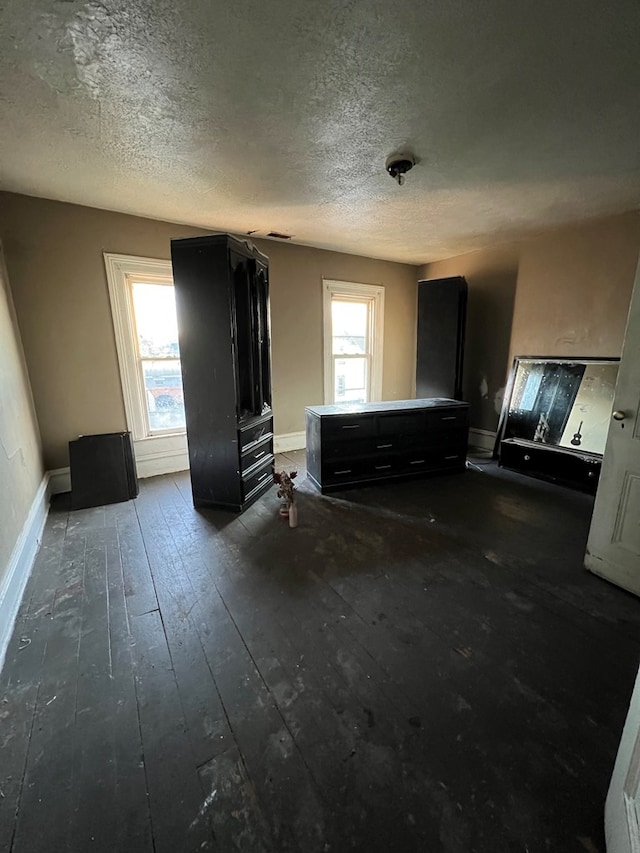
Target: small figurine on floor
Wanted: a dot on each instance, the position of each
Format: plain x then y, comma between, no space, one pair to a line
284,481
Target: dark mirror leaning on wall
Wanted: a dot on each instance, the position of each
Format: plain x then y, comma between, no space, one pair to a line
555,418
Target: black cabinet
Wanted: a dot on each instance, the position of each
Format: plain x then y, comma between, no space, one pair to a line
102,469
222,304
442,312
348,445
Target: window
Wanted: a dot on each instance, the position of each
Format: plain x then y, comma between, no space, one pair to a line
144,320
157,354
353,328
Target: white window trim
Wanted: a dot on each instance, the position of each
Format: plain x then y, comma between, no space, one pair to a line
374,292
156,453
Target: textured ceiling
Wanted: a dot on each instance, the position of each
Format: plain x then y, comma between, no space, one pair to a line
279,116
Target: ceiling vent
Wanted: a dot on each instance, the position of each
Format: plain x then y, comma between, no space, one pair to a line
279,236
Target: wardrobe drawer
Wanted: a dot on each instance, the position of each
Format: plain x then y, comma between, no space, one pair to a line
257,478
261,451
250,435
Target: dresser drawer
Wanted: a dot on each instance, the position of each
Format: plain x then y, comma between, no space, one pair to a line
344,472
366,448
260,451
348,427
446,419
434,459
384,465
403,423
435,439
385,444
257,478
336,448
250,435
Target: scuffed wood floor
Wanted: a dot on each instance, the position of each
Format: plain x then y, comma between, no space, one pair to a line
416,667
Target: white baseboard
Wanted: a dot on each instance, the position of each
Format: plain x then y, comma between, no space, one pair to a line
482,438
59,480
21,563
161,454
289,441
167,462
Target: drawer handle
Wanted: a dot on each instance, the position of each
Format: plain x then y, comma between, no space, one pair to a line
450,418
262,476
417,462
383,446
382,467
457,456
258,455
346,471
351,426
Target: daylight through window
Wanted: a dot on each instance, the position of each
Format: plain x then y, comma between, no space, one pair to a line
158,354
353,342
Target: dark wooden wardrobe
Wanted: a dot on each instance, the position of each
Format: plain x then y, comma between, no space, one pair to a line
442,313
222,303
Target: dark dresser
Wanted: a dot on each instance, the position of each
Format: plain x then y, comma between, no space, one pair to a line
352,444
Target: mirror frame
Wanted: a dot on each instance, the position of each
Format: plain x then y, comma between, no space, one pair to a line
508,393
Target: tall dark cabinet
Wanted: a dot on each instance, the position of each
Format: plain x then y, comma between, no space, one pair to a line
442,313
222,303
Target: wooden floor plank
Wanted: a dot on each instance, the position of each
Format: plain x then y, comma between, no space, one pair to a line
46,799
177,817
131,804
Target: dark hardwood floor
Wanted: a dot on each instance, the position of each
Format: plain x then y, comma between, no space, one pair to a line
422,666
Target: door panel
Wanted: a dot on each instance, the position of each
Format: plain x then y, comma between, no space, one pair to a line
613,551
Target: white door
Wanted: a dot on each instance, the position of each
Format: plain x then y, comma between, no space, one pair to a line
622,810
613,548
613,551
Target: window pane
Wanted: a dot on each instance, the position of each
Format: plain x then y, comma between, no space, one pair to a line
350,380
154,307
163,391
349,326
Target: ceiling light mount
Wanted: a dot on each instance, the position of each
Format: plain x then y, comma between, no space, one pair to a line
397,165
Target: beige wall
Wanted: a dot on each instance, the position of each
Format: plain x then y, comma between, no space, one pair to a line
574,289
296,274
565,292
21,467
492,277
54,255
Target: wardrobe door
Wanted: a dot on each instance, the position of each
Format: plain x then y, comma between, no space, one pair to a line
442,308
263,342
243,322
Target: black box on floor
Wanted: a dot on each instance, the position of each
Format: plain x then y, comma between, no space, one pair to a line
102,470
